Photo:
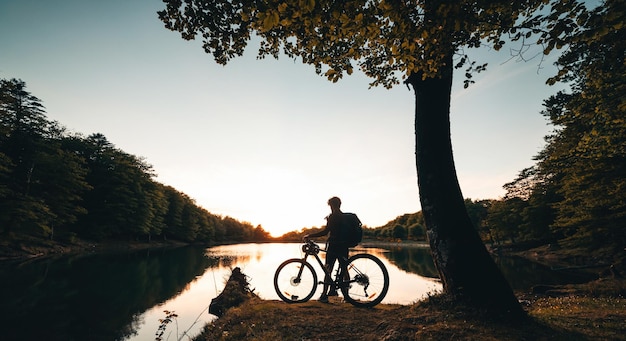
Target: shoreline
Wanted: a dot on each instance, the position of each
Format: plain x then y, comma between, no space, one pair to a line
28,249
24,250
570,311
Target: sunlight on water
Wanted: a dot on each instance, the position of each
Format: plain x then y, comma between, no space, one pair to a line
258,262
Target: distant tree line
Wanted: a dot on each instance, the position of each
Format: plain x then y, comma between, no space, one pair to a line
64,186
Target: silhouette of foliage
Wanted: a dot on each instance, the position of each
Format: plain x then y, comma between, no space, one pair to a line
575,191
62,187
420,42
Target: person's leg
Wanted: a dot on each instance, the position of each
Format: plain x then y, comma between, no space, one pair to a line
340,253
331,257
343,263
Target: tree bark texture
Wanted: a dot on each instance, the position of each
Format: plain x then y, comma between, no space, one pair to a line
465,266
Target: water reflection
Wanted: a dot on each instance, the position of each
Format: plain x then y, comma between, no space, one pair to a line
416,260
523,275
122,296
259,261
519,272
98,297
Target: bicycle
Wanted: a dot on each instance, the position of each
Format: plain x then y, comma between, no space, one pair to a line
366,284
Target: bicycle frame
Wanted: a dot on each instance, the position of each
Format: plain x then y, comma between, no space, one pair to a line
362,278
312,249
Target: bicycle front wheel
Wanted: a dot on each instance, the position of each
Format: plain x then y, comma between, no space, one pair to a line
295,281
369,281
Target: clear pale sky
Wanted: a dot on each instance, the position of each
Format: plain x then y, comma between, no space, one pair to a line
262,141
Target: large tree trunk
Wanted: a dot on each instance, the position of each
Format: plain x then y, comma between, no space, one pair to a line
465,267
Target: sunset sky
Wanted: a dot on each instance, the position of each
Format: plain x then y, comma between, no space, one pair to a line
262,141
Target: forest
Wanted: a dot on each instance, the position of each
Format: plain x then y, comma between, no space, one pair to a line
62,187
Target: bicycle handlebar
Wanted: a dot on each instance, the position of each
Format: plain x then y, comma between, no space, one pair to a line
310,247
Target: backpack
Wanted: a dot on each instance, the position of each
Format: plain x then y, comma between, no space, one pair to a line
352,230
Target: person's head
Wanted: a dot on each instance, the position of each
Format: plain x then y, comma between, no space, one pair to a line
334,203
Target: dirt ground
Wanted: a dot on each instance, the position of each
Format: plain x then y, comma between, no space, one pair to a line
589,311
575,316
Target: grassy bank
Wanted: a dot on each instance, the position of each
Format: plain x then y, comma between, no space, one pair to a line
589,311
594,311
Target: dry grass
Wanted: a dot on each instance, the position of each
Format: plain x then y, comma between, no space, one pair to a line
592,318
578,316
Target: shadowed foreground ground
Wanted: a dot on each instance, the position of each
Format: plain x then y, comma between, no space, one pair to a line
594,311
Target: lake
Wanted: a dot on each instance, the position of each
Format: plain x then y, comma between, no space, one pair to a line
122,296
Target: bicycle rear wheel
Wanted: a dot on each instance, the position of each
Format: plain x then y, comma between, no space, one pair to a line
369,281
295,281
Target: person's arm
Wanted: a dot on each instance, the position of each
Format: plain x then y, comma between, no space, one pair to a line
321,233
318,234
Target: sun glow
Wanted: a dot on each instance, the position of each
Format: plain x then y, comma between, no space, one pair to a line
277,199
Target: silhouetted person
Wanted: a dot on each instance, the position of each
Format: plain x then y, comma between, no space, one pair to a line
337,248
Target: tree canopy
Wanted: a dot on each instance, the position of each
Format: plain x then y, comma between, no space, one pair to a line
419,41
579,175
387,40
